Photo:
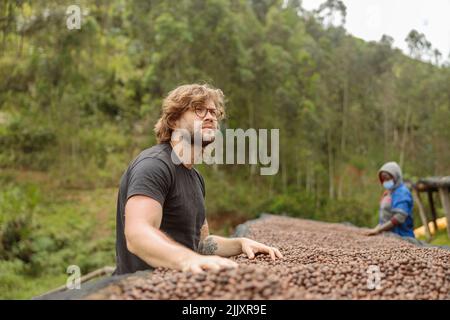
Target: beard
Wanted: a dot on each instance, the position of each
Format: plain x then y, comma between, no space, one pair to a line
210,137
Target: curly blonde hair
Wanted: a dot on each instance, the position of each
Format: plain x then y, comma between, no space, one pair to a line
180,100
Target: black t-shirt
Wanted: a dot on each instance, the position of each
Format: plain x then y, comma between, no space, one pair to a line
179,190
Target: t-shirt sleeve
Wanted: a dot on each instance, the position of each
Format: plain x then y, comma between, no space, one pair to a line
150,177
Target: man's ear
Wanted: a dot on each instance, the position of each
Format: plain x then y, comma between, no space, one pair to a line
173,124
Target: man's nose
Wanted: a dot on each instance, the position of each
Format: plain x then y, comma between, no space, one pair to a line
208,116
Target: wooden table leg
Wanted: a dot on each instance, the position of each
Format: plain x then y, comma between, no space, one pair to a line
433,209
422,214
445,200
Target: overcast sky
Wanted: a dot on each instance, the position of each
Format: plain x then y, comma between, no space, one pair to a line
370,19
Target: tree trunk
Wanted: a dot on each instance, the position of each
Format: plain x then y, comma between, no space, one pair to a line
284,176
343,139
405,136
330,166
340,190
386,131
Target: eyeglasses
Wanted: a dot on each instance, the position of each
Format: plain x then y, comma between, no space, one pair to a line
202,111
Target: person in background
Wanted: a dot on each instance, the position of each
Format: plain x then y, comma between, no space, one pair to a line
396,205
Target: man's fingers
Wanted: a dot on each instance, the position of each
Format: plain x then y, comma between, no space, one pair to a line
219,264
249,252
272,253
196,269
232,263
278,253
228,264
211,266
210,263
268,250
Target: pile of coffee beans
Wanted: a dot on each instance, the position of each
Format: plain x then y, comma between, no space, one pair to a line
321,261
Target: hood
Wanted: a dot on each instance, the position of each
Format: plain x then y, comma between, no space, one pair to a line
394,170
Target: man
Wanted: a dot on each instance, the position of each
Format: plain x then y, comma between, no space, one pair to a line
395,214
160,210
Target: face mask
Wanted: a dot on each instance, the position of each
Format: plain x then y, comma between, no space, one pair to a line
388,184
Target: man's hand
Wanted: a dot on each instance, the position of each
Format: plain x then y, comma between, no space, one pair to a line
228,247
250,247
197,263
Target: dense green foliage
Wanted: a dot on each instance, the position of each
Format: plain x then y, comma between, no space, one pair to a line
78,105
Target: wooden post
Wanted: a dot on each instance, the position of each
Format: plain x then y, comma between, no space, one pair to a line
422,214
433,209
108,270
445,200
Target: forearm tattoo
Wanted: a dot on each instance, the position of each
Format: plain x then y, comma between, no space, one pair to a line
208,246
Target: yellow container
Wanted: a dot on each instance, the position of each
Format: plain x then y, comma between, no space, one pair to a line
441,225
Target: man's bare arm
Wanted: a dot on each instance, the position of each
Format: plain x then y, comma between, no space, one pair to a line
143,217
227,247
